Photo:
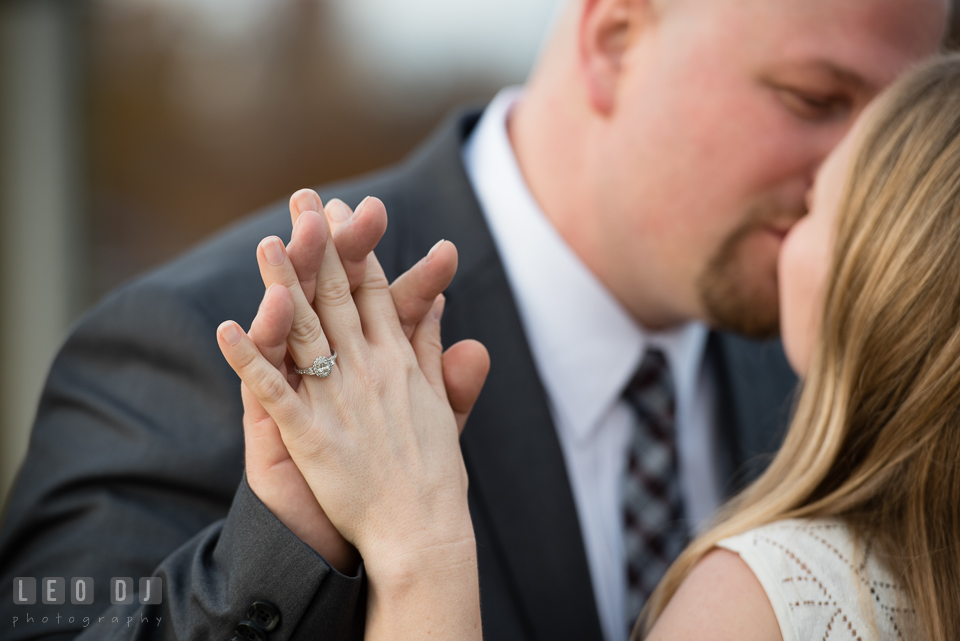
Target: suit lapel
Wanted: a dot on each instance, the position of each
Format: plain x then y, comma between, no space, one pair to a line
518,477
756,390
517,468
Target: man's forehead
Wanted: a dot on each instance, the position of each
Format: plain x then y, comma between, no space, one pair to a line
863,45
946,8
917,24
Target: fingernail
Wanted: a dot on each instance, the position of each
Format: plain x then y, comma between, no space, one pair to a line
273,251
307,200
362,203
438,306
338,210
434,249
229,332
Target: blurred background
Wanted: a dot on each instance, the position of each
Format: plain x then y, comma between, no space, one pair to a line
132,129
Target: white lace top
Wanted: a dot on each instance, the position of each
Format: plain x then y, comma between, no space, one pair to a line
823,583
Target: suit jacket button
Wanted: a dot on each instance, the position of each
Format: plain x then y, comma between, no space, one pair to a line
264,614
250,631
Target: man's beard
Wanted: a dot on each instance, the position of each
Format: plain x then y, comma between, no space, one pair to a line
731,299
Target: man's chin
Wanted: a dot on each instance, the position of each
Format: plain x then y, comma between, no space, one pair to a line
738,288
744,319
733,304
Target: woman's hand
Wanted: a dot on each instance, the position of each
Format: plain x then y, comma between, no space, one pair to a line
271,472
376,441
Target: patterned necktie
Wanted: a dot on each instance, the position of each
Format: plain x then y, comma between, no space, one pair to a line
653,519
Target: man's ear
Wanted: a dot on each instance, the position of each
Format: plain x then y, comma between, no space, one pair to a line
607,29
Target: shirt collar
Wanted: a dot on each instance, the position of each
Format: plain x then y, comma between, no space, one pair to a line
584,343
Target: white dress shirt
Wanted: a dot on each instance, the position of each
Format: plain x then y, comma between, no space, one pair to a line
586,348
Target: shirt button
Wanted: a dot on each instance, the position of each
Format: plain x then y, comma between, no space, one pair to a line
264,614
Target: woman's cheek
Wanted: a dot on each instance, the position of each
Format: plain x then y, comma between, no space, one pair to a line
794,299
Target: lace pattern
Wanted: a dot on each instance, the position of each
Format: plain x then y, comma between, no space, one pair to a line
823,583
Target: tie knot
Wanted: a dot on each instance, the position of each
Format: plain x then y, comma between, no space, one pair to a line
653,371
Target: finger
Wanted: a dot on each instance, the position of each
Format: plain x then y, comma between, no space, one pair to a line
263,445
305,249
465,368
269,332
306,339
416,289
265,382
356,233
334,305
378,314
272,324
428,348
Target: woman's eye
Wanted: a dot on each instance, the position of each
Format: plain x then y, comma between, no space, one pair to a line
810,106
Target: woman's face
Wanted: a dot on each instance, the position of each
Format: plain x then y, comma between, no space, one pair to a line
805,259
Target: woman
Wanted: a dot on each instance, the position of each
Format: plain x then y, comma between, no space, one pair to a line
854,529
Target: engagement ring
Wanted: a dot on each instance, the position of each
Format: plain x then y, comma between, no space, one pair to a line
321,367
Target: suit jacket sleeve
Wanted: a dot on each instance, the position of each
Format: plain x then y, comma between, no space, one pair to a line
135,469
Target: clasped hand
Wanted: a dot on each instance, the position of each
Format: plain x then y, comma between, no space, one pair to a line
376,442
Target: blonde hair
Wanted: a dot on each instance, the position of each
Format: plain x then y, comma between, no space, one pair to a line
875,437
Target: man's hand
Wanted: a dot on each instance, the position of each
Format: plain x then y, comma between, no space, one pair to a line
271,473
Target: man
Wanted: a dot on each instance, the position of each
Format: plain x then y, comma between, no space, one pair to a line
635,192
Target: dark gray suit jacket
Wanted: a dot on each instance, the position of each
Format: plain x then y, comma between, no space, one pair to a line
135,465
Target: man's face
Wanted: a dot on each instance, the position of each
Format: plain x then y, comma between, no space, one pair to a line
723,111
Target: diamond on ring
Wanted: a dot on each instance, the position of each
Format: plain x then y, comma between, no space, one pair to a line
321,367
